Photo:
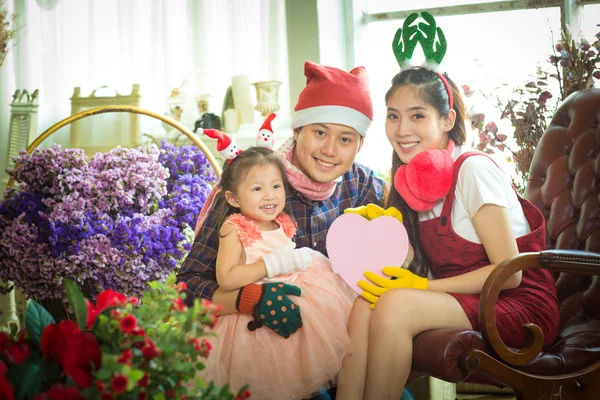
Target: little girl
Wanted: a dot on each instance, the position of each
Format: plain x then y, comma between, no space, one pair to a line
255,246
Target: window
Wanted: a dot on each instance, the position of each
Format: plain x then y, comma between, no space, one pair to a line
484,52
379,6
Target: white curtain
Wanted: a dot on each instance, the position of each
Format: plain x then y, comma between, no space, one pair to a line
156,43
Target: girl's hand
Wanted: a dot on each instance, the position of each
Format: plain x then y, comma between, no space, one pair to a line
400,278
286,261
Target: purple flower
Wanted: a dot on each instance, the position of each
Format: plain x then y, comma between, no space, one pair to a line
118,221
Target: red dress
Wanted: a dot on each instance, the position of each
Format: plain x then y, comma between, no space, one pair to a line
450,255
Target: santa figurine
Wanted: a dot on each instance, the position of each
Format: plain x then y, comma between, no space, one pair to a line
225,145
265,134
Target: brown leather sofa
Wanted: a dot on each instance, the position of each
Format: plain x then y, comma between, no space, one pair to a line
564,184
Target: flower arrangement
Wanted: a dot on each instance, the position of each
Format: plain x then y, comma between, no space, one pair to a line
530,108
117,221
116,348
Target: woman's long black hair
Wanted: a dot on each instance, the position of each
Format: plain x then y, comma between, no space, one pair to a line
431,89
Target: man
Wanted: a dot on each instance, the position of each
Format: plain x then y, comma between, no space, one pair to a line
331,119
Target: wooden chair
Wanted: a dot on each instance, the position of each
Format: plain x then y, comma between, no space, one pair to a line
102,133
564,184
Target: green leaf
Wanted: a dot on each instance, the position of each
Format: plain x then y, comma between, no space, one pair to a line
36,319
77,302
136,375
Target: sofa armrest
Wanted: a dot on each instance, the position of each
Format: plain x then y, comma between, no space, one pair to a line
571,261
437,352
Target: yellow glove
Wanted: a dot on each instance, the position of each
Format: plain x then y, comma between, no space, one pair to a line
372,211
400,278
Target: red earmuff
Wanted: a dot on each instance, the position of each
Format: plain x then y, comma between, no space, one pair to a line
427,178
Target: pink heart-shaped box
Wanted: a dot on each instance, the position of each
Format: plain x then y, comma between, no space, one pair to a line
356,245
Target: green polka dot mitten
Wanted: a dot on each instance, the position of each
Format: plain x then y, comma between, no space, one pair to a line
270,305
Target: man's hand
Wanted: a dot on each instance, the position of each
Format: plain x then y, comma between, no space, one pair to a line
372,211
400,278
269,305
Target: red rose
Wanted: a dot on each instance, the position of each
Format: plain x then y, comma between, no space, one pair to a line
110,298
141,396
178,305
92,314
83,357
149,350
6,390
100,385
59,392
107,396
128,323
15,352
126,357
56,337
138,332
106,299
144,381
205,348
119,384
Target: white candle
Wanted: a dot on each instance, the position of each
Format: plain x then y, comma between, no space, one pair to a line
240,85
231,120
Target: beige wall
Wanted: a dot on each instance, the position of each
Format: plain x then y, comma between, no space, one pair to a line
303,42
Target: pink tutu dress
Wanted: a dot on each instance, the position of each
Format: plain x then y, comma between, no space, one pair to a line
274,367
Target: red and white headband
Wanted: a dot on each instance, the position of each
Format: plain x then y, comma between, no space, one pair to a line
229,149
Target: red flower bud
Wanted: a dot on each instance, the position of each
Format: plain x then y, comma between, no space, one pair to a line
128,323
149,350
559,47
119,384
178,304
126,357
596,74
243,396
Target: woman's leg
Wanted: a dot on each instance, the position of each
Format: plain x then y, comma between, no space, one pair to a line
353,375
400,315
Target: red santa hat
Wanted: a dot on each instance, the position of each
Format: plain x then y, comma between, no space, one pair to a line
225,146
267,124
334,96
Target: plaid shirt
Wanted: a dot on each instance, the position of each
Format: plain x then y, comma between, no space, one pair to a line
358,187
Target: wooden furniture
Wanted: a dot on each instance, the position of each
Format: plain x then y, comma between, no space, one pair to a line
102,133
564,184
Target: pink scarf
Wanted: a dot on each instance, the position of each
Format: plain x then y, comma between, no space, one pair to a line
311,189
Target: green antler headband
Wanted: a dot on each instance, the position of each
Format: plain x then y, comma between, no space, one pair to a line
409,35
406,39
